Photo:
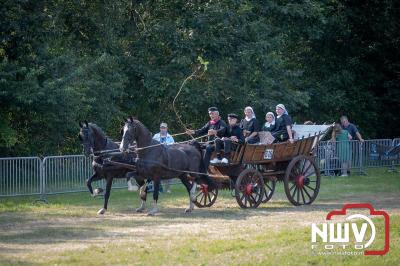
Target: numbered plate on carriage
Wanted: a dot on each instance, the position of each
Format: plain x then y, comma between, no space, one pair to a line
268,153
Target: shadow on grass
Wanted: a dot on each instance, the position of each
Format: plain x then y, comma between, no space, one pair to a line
49,235
14,262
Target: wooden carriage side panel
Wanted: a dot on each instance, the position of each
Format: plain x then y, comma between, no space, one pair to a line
234,155
279,151
248,152
288,151
237,154
266,153
270,152
310,142
257,153
253,152
301,146
297,149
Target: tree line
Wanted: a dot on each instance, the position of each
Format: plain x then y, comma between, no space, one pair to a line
66,61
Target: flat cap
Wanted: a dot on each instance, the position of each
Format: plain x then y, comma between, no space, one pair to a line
233,116
212,109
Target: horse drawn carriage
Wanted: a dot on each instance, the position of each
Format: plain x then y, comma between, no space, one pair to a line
252,173
254,170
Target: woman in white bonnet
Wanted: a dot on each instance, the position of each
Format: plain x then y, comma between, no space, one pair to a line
270,122
250,126
283,125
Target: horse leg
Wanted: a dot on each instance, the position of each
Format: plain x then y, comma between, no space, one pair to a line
106,196
89,183
143,195
156,182
191,189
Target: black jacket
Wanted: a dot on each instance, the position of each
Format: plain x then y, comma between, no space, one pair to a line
238,132
271,128
251,125
220,127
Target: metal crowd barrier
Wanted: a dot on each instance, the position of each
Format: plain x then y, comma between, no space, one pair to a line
64,174
334,157
20,176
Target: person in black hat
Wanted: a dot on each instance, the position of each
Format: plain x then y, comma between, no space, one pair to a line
215,128
234,136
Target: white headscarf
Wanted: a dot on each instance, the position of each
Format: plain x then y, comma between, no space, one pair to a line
282,107
251,109
273,120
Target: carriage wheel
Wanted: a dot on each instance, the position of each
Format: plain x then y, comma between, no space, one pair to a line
249,188
269,187
302,180
204,196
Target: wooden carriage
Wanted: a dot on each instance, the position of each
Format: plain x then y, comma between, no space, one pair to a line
254,170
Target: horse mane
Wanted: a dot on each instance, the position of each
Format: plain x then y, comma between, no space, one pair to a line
97,129
140,124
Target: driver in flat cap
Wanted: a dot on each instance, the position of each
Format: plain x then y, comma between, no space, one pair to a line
227,144
216,127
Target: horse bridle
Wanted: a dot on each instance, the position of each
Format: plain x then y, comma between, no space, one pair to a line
87,141
131,126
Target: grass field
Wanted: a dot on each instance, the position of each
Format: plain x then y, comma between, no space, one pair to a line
67,231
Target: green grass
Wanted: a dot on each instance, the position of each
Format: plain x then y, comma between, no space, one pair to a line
67,231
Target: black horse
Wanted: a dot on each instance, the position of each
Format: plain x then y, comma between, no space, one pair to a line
93,140
158,161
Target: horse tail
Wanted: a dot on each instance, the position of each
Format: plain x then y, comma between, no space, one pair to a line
202,169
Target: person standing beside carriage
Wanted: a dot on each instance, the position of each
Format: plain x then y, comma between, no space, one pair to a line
165,138
351,128
215,128
283,125
250,126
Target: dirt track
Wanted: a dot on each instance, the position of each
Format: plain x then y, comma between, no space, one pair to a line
34,234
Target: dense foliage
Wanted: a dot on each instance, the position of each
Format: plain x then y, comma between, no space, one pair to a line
66,61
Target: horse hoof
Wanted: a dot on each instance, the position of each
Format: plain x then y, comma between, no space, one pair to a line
101,211
188,210
139,209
